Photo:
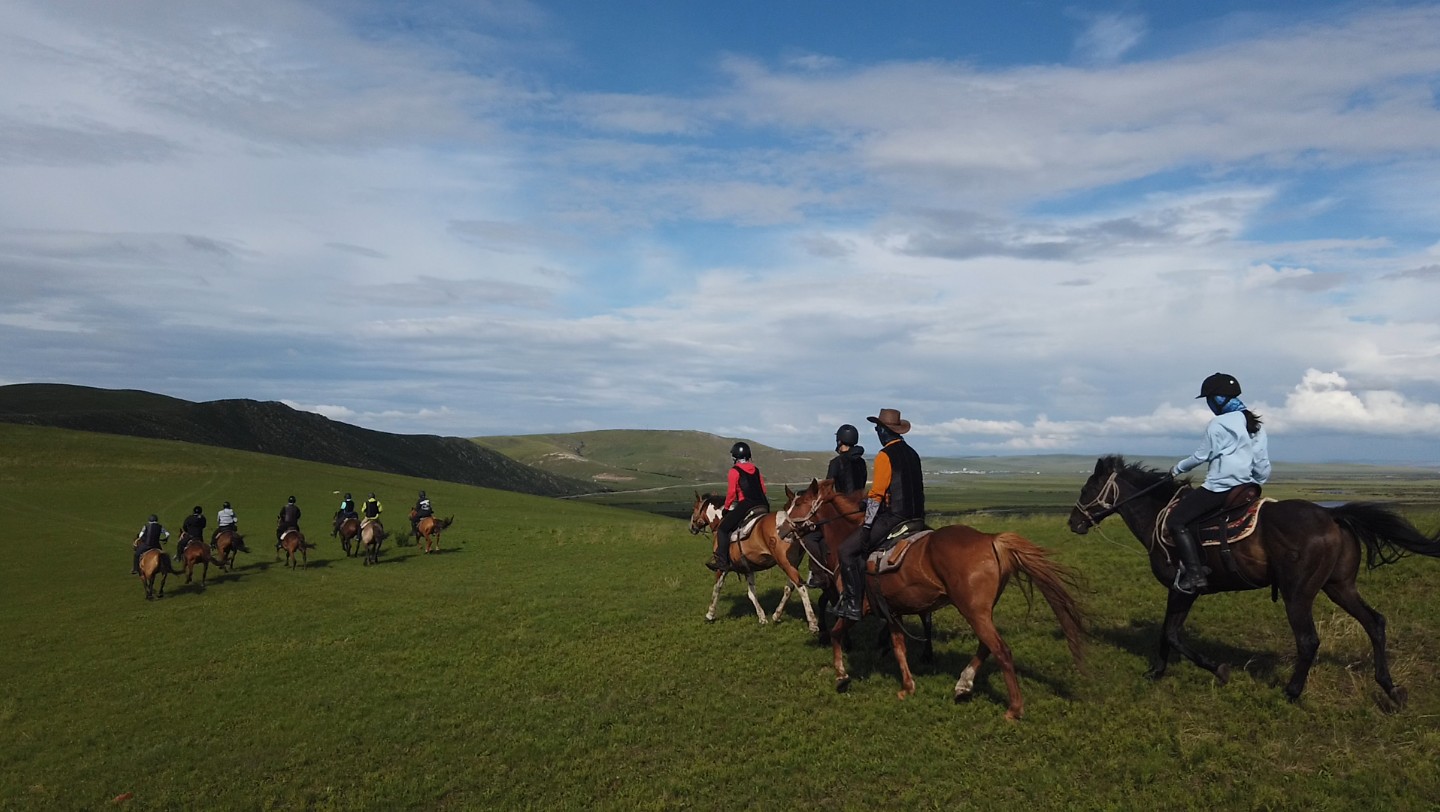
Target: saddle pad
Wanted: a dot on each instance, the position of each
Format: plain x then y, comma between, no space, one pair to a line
1239,525
889,559
743,531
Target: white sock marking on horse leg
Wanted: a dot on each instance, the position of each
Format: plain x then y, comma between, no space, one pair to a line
750,587
809,611
715,597
967,681
785,598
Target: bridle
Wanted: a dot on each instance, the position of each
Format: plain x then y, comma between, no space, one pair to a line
1109,501
695,531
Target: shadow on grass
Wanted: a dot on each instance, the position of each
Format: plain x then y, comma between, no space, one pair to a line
1142,639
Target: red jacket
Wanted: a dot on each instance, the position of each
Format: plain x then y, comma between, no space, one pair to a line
732,493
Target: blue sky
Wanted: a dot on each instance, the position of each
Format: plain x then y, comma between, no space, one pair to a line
1033,227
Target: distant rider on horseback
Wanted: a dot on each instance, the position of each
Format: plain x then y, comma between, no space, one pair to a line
151,536
422,511
289,519
371,509
192,529
225,522
346,511
1237,453
847,472
746,490
897,495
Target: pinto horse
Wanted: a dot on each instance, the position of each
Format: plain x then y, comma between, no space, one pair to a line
430,526
771,543
228,545
155,562
1298,549
294,545
957,565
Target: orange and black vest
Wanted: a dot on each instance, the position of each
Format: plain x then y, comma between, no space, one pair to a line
906,496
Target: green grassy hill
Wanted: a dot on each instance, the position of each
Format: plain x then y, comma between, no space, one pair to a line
273,428
555,658
626,460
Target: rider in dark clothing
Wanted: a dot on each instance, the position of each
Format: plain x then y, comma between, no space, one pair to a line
346,511
152,535
897,495
423,510
746,490
847,473
289,519
193,528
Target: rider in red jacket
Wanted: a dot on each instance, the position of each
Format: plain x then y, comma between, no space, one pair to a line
746,491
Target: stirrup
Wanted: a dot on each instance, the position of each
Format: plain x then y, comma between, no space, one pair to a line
1194,584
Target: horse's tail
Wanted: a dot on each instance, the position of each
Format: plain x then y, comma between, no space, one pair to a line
166,565
1033,561
1386,535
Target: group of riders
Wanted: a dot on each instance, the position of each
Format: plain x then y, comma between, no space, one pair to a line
1234,447
153,535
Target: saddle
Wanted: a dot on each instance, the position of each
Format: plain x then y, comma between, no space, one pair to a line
891,553
747,525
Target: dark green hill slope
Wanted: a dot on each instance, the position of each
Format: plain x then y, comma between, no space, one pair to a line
632,459
274,428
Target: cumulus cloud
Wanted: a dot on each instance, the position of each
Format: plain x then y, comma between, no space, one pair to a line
1324,401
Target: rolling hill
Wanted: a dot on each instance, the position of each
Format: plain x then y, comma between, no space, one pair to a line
269,427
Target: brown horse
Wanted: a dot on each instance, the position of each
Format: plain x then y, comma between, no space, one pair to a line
430,526
192,551
1298,549
349,530
772,543
294,545
954,565
228,545
155,562
372,533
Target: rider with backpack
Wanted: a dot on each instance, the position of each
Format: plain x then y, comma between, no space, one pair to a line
1236,451
289,519
151,536
847,473
745,491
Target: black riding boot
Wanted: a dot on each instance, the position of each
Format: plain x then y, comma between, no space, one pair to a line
1191,578
815,548
135,569
850,606
720,561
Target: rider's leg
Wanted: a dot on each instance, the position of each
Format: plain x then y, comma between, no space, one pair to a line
814,543
721,559
1192,506
852,552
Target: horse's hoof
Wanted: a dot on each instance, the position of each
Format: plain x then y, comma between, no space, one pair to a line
1012,716
962,698
1222,674
709,619
1292,696
1400,697
764,622
1155,674
842,684
903,694
814,629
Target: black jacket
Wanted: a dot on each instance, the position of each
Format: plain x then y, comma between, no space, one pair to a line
194,525
847,470
290,516
906,497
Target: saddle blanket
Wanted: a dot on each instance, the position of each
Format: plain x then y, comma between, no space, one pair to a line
1232,526
748,525
890,556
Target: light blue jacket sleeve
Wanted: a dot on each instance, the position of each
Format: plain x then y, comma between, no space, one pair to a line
1202,455
1260,468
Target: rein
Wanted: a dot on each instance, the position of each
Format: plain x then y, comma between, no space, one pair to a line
1111,490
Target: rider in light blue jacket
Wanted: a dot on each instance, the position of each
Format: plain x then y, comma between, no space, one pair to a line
1237,452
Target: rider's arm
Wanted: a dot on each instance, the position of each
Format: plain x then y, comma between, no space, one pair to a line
732,492
1202,455
881,485
1260,468
762,483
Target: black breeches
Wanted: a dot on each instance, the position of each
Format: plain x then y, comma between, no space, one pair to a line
734,516
1194,505
862,542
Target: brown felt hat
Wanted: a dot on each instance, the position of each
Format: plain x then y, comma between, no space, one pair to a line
890,419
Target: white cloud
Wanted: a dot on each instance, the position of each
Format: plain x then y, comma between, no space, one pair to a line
1109,37
1324,401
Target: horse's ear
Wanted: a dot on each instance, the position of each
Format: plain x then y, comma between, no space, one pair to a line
789,494
1100,465
697,496
815,485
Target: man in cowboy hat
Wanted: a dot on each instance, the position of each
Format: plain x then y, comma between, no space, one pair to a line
897,494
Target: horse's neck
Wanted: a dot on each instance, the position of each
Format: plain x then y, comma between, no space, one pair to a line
1141,514
841,519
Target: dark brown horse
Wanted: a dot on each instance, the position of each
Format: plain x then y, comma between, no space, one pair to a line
771,543
954,565
193,551
155,562
294,545
1297,550
348,530
429,528
227,545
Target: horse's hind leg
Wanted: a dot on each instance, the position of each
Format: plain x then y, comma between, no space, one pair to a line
966,684
1347,597
927,620
715,597
984,627
897,640
1177,609
754,601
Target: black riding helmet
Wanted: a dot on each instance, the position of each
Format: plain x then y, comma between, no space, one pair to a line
198,511
292,500
347,496
225,506
847,435
740,451
1219,385
422,494
154,518
372,495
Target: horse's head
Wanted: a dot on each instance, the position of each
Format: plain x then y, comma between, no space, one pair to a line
802,507
1099,494
706,513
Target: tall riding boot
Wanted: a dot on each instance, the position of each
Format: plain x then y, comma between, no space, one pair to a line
851,604
817,552
721,559
135,569
1191,578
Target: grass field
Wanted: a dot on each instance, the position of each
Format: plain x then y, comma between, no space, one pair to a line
555,657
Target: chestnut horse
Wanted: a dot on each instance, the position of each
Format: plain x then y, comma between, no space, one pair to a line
772,542
1298,549
372,533
155,562
430,526
193,550
348,530
957,565
294,544
227,545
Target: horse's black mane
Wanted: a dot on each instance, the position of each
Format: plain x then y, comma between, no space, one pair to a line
1135,473
714,499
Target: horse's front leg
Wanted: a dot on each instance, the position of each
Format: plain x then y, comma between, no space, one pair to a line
837,635
927,620
715,596
1177,609
754,601
897,641
784,599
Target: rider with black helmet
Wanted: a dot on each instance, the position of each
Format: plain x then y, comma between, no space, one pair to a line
225,522
151,536
746,490
423,510
289,519
192,529
847,473
1236,453
346,511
